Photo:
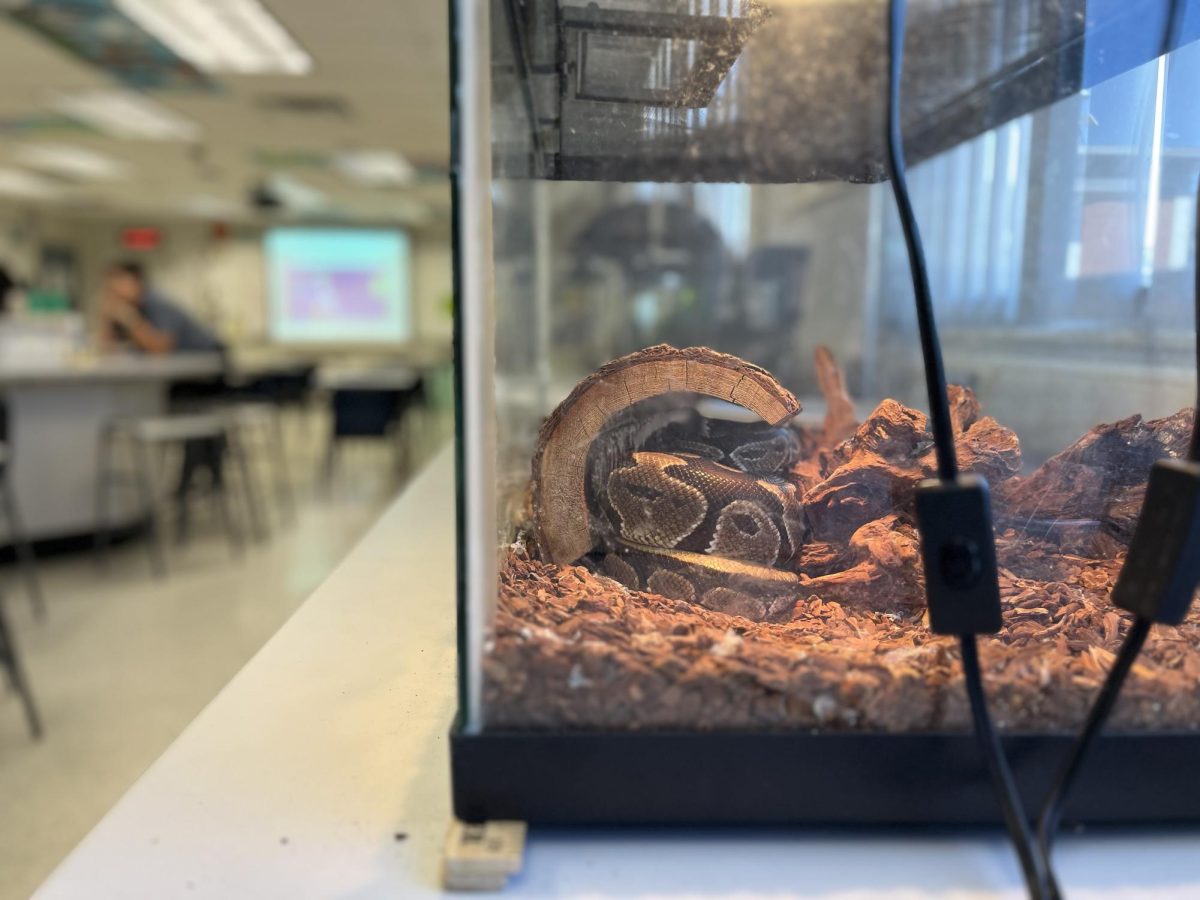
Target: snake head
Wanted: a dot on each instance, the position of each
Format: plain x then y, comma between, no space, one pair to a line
769,455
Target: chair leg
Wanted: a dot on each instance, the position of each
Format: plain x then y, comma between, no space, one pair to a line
102,539
283,481
25,555
11,662
407,429
328,464
241,461
147,494
228,518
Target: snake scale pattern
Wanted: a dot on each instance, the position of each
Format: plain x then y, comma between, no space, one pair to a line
697,509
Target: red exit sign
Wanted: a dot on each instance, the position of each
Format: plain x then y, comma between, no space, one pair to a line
141,238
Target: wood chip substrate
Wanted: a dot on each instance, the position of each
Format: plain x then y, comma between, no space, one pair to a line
571,649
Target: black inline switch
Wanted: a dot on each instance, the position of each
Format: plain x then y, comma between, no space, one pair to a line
1162,569
958,551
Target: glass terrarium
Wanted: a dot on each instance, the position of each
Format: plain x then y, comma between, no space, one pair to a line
693,415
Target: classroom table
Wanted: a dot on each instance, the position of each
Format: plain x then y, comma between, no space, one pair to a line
321,771
57,410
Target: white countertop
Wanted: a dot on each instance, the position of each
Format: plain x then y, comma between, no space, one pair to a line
117,367
297,778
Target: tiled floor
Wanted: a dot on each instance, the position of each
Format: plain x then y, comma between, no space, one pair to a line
125,661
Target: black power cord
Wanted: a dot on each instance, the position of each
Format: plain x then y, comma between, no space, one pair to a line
1034,865
931,350
1157,584
1051,815
954,518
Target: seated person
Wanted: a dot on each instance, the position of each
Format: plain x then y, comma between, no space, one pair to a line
135,314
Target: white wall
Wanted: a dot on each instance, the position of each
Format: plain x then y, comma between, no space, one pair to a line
224,282
23,232
433,288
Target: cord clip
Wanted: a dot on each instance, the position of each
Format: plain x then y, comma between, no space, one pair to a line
1162,569
958,551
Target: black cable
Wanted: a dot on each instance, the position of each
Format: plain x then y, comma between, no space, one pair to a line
1033,866
1052,809
931,351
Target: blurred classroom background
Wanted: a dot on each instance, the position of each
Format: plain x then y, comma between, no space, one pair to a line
225,284
227,294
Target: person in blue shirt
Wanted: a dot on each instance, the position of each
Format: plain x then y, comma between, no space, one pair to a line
135,314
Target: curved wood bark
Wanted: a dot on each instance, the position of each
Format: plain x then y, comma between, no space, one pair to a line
560,506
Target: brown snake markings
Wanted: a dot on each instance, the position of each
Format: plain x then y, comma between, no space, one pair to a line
701,514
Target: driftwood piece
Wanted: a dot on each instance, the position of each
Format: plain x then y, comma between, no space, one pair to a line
840,420
870,474
560,506
986,448
873,473
1090,494
892,432
820,558
886,571
964,407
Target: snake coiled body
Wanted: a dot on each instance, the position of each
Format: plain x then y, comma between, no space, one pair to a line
697,509
628,477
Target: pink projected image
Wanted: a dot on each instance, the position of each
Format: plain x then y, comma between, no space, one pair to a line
338,285
316,295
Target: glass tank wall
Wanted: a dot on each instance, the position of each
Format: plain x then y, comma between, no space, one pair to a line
709,412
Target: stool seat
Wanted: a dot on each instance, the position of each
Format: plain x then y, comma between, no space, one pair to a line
160,429
205,437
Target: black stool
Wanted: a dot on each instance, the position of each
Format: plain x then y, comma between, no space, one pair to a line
143,435
370,412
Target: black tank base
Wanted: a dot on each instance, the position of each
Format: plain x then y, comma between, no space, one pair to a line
806,779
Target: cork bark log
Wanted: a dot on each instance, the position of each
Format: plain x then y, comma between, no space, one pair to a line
560,458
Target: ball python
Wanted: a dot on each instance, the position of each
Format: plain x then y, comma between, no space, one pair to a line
697,509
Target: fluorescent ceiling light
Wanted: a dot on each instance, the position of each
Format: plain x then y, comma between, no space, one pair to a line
18,183
374,167
70,161
236,36
126,114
